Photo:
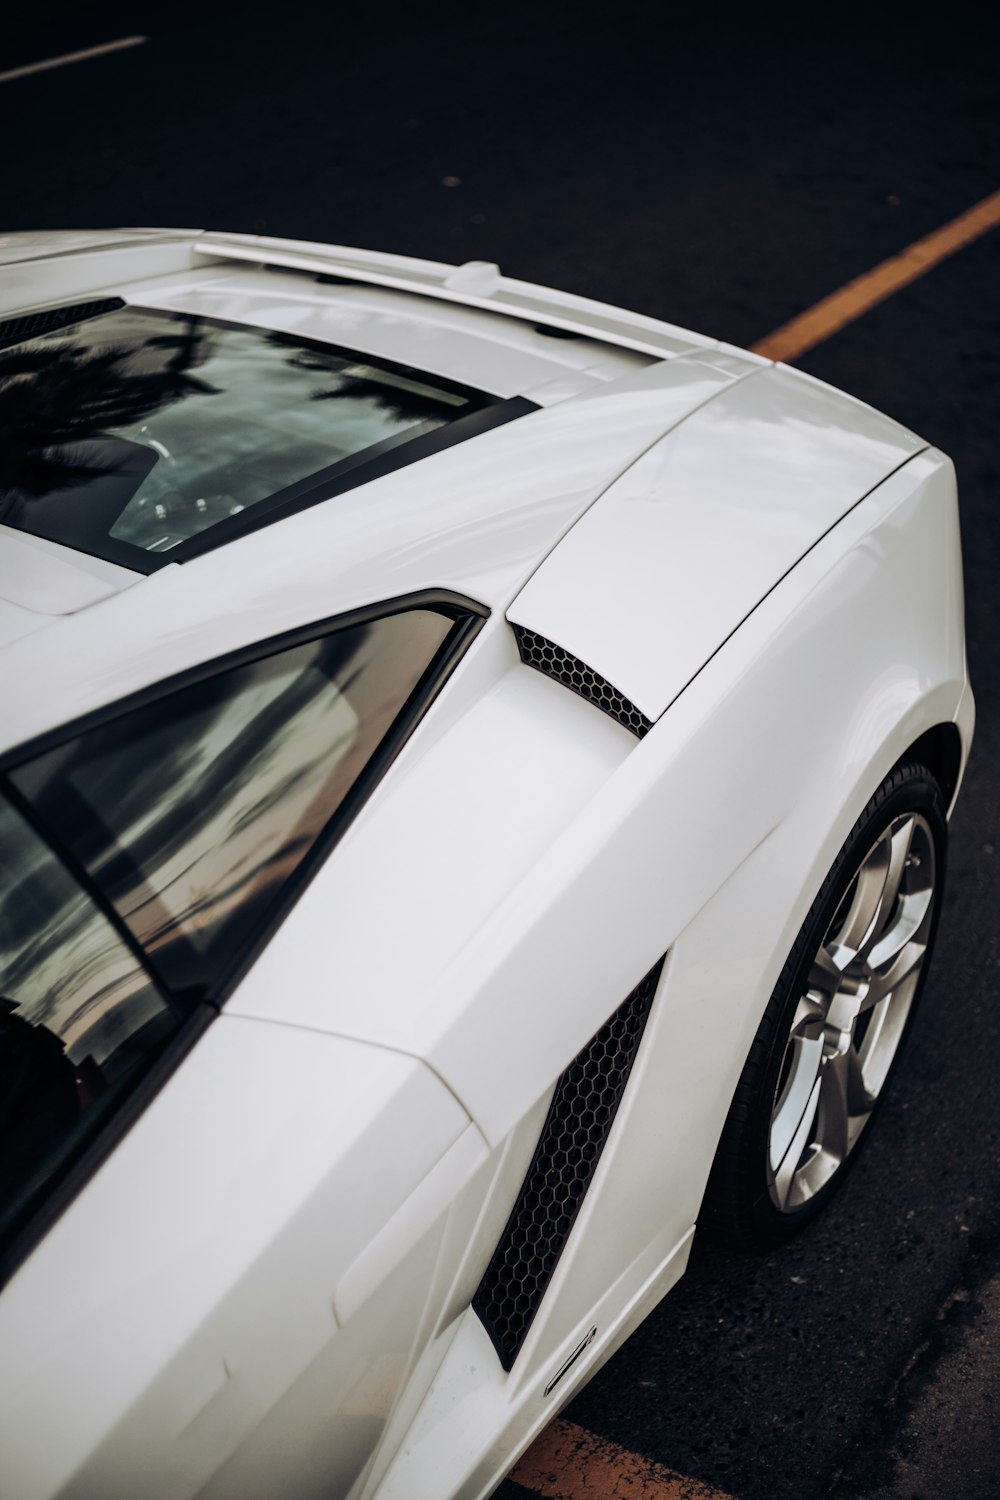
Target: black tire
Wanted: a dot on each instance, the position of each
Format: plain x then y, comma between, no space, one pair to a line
741,1205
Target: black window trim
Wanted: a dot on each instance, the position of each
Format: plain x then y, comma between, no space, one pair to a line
392,453
468,618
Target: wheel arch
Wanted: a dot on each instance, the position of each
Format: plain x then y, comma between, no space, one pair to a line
940,749
854,665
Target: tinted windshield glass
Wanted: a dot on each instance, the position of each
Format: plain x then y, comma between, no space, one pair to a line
128,434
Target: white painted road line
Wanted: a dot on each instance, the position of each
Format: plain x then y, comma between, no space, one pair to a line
72,57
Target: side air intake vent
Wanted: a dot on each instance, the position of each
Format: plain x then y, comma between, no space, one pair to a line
546,657
33,325
583,1107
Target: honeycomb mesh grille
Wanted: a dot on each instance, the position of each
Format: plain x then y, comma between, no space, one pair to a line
583,1107
33,325
546,657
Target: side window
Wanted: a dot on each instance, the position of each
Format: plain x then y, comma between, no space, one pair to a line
79,1017
142,860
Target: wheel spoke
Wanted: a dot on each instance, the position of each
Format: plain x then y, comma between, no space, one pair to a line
902,842
825,974
899,852
842,1099
802,1062
788,1162
807,1022
866,900
910,916
869,1048
885,980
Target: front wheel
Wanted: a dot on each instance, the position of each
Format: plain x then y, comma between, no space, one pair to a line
836,1020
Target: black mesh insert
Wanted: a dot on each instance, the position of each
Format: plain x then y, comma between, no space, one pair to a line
32,325
546,657
583,1107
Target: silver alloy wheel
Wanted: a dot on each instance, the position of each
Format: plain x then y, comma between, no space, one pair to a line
848,1024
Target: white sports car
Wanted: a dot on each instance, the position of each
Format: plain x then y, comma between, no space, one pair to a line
475,777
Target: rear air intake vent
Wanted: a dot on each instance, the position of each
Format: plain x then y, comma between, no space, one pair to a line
544,655
33,325
579,1119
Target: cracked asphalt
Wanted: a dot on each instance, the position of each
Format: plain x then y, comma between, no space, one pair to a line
724,171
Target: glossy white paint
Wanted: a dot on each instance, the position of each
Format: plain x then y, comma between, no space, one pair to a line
16,621
42,576
219,1254
79,271
894,560
39,268
265,1288
505,948
40,579
503,356
680,550
474,1423
450,847
473,285
17,247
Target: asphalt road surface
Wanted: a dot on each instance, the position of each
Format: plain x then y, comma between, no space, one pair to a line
724,174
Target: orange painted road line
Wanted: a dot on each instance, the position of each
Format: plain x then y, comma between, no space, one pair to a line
840,308
569,1463
72,57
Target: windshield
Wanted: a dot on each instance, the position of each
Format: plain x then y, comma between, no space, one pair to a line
131,433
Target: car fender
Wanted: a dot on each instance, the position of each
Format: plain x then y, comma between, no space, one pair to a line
532,859
852,638
847,662
673,556
210,1266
